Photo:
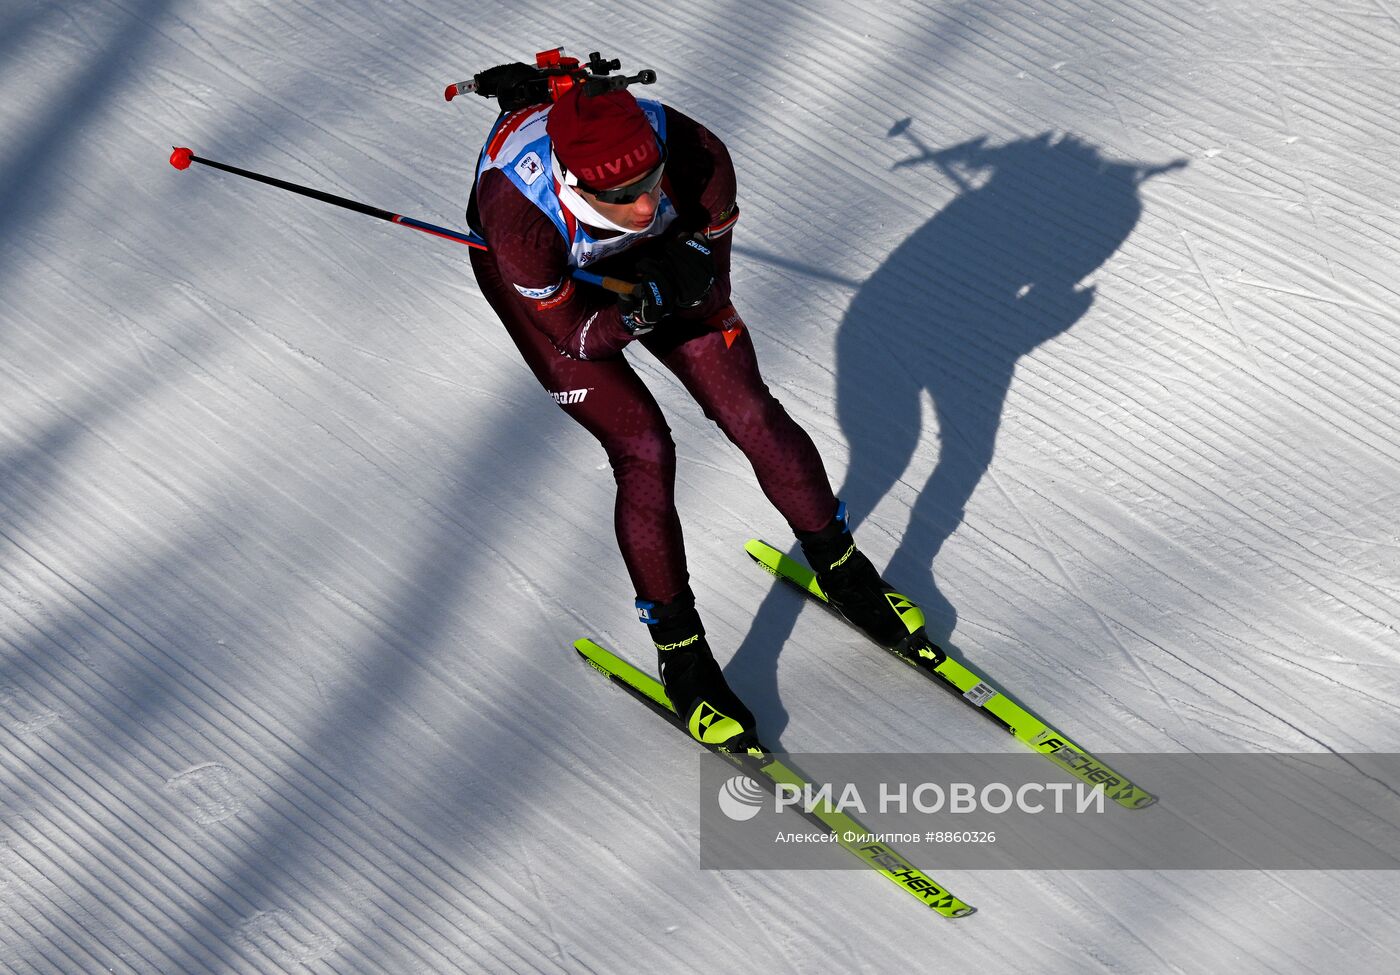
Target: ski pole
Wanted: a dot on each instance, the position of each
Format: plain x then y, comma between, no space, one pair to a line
182,157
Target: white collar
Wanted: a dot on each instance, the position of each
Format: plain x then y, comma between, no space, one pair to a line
580,207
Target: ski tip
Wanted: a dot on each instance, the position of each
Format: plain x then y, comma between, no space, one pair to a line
451,92
755,547
181,157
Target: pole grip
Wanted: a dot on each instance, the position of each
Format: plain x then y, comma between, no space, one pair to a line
615,285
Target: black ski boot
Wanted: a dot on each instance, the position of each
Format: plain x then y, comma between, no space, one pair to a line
709,709
852,585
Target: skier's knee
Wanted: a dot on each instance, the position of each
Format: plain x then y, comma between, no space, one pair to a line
649,453
753,421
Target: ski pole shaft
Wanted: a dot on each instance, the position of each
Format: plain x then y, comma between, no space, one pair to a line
182,157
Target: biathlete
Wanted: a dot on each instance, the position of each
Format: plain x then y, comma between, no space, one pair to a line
636,190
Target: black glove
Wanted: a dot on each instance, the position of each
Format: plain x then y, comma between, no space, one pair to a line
678,278
513,85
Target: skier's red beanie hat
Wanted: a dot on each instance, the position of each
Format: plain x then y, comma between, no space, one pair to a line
604,140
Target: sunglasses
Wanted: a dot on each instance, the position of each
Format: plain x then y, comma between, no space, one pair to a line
632,192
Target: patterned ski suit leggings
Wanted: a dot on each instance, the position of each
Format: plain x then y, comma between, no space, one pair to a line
622,414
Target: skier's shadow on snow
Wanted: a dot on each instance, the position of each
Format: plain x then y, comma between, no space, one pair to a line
994,273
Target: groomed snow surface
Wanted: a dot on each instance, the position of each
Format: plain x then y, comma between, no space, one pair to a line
1090,308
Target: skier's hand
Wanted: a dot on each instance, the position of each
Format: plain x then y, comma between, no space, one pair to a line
678,278
692,266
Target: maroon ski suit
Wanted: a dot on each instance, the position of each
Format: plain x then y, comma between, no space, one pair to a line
573,342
